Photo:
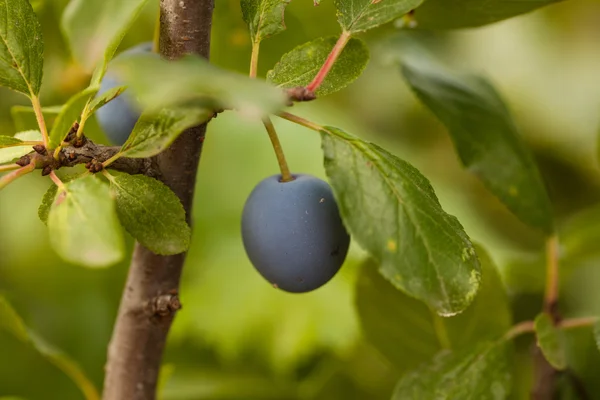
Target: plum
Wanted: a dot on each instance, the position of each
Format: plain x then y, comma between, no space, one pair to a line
118,117
293,233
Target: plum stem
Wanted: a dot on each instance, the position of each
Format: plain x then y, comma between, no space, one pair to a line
286,176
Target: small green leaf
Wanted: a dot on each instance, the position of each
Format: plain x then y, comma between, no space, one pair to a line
299,66
482,371
160,83
406,331
393,212
83,223
550,340
264,17
485,137
155,132
9,141
151,213
21,47
47,201
94,30
9,154
70,113
49,196
360,15
104,98
453,14
12,322
24,117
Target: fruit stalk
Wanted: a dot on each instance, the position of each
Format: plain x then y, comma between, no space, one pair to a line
140,333
286,176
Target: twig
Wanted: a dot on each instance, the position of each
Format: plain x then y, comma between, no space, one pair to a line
9,167
300,121
545,376
577,322
14,175
552,284
39,116
519,329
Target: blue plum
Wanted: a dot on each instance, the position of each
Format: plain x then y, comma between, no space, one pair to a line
118,117
293,233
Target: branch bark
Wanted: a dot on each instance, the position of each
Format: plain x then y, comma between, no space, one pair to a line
142,325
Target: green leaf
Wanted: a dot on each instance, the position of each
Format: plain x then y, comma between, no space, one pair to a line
70,113
485,137
360,15
21,47
264,17
155,132
104,98
12,322
452,14
393,212
160,83
299,66
24,117
400,327
406,331
49,196
94,30
47,201
482,371
9,154
550,340
84,228
151,213
9,141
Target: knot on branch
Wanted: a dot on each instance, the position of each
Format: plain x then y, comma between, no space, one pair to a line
94,166
164,305
300,93
83,151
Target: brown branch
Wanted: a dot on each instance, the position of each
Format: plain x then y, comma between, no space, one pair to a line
144,317
88,152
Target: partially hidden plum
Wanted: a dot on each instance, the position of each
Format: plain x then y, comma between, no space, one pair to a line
118,117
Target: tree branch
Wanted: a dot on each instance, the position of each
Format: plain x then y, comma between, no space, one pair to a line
89,152
150,300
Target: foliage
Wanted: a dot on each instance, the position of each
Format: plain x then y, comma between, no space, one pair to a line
427,299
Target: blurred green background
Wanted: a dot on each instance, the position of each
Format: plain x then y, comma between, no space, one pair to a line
237,337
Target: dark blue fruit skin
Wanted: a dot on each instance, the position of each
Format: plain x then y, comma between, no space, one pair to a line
118,117
293,233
